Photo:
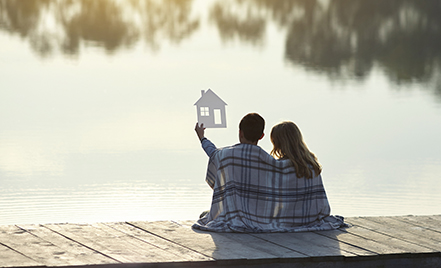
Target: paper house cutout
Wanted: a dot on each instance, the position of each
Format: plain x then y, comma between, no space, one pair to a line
211,110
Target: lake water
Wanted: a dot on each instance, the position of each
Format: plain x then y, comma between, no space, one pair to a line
96,101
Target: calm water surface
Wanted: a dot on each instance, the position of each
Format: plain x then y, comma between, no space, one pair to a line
97,115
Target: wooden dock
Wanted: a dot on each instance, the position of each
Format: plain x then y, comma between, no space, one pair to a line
404,241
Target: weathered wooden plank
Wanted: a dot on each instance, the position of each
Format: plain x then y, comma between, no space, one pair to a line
178,252
81,253
345,247
436,217
429,222
187,223
214,245
74,232
256,243
36,248
361,242
11,258
402,230
153,252
261,244
318,244
114,244
396,245
314,245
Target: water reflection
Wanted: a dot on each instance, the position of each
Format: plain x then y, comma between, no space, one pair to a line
67,26
348,39
238,21
340,38
402,37
98,23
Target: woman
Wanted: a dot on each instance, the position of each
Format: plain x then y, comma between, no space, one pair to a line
289,144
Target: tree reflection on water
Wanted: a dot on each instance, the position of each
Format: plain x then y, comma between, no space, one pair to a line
348,38
340,38
107,24
403,37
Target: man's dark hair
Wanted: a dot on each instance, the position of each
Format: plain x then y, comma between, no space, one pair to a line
252,126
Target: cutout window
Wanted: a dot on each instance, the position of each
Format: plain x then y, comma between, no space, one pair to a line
205,111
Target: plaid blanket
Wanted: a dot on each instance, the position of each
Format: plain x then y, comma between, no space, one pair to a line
253,192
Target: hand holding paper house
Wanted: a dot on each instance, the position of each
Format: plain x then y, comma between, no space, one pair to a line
211,110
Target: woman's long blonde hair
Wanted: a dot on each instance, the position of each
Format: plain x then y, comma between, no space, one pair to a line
288,143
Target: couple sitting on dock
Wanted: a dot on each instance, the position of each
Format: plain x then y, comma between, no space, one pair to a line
254,191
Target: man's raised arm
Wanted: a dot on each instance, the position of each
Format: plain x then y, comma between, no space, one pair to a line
207,145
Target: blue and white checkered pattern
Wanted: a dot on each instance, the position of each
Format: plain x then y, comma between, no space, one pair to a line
253,192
